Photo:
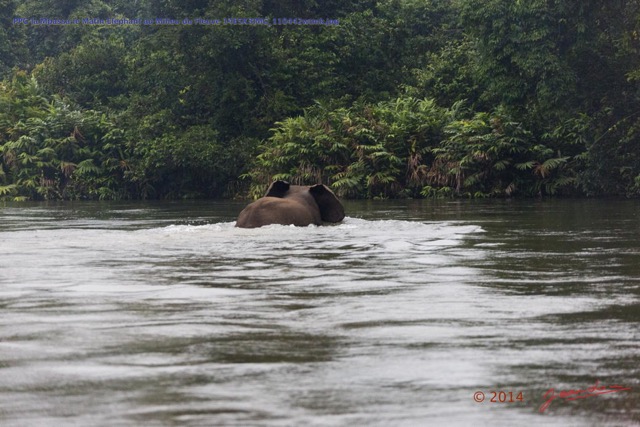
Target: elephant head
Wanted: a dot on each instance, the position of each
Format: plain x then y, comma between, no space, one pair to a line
292,205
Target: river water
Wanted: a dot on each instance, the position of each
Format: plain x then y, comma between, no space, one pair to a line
164,314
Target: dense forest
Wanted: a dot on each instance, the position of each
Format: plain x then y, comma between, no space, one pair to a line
115,99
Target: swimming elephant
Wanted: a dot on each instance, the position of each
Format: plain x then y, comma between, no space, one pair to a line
292,205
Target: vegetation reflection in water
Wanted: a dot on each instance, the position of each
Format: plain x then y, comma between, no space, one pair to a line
119,313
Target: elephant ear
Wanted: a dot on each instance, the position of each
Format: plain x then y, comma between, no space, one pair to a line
277,189
331,210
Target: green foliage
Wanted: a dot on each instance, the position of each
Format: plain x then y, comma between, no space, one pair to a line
449,75
369,150
520,50
612,160
51,150
493,155
411,148
13,51
95,70
180,163
405,98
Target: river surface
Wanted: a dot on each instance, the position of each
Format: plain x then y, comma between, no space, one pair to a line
164,314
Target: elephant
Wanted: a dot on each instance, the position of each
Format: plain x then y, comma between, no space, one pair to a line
288,204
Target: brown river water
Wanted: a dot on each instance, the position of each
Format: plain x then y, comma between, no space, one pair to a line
409,313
